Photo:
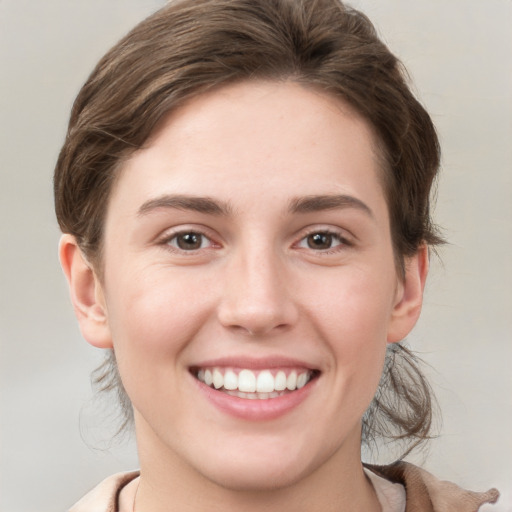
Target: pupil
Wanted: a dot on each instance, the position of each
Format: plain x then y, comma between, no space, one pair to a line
189,241
320,241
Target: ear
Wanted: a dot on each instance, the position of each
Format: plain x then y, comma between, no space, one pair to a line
86,293
409,297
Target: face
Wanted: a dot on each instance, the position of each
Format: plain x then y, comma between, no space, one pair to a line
249,285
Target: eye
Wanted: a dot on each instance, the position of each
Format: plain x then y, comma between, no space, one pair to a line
322,241
189,241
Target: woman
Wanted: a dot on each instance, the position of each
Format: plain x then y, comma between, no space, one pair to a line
244,192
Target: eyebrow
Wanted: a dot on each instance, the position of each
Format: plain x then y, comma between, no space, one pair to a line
317,203
207,205
184,202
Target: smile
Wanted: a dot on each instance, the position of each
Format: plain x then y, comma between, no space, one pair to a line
249,384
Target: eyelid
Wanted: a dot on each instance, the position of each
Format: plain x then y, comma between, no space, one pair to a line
346,239
164,238
344,236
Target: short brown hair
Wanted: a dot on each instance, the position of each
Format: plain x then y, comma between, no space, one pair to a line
191,46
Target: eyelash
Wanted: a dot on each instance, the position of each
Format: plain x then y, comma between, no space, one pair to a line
167,241
343,242
336,235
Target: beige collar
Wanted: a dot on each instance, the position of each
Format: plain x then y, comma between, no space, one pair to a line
424,492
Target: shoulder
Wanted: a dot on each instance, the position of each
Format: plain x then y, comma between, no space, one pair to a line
426,493
103,498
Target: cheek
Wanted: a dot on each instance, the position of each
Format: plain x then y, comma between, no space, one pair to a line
353,321
354,308
151,321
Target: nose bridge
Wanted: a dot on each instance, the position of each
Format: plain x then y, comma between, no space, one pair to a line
256,297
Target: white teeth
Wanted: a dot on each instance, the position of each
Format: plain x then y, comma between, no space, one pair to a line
218,379
265,382
252,396
280,381
248,384
247,381
230,380
301,380
291,381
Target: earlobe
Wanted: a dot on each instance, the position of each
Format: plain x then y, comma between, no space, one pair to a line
409,300
86,293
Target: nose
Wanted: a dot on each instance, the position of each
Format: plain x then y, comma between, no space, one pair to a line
257,296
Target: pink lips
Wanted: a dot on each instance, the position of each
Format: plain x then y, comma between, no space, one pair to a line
251,408
256,363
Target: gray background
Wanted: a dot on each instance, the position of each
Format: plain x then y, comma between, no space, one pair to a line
54,445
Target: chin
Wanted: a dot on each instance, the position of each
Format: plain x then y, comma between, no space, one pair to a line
248,478
261,467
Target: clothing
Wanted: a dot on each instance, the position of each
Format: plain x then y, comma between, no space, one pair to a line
426,493
423,492
391,496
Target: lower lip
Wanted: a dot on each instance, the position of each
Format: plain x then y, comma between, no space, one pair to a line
255,409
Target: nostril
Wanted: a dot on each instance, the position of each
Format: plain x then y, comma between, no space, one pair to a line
259,330
257,320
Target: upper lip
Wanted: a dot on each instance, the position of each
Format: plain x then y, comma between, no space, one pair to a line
251,363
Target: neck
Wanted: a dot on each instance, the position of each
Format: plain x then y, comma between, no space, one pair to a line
167,482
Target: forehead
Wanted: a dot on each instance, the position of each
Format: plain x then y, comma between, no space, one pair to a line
257,140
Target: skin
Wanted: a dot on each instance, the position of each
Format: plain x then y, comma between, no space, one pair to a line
255,288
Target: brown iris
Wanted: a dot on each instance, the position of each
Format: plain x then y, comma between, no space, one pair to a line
320,241
189,241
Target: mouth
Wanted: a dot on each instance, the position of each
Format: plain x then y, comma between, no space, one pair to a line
252,384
